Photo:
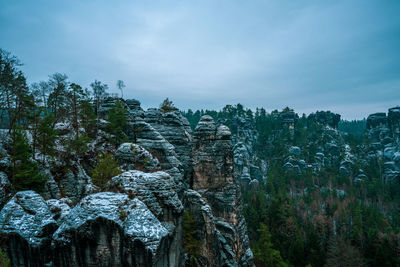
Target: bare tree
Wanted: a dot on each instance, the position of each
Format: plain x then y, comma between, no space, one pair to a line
57,100
99,93
121,85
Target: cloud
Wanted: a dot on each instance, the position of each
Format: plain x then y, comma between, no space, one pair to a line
341,55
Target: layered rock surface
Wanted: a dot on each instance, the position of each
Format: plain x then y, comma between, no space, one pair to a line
139,221
384,133
213,179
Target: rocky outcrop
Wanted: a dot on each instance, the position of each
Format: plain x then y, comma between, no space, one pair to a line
156,190
139,222
383,133
103,229
325,118
288,118
212,155
176,130
143,134
394,122
132,156
5,188
213,179
110,229
376,120
26,225
207,233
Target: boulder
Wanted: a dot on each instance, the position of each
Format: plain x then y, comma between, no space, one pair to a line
26,225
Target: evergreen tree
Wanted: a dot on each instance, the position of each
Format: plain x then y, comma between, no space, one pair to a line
105,169
46,135
75,95
117,119
58,98
87,117
190,241
25,172
167,106
16,101
264,253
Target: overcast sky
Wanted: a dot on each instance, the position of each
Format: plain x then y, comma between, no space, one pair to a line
309,55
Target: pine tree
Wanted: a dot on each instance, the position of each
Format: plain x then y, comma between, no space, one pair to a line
264,253
87,117
46,135
105,169
167,106
190,241
15,99
25,172
58,98
117,119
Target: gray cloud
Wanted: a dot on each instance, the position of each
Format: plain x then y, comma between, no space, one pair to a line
309,55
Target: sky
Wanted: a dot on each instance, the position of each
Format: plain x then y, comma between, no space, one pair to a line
342,55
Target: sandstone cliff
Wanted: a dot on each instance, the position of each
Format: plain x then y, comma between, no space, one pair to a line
138,220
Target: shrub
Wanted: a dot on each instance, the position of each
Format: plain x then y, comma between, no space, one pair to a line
106,168
4,260
167,106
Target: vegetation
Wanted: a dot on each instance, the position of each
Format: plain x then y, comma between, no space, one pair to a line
190,241
264,253
4,260
25,172
105,169
301,220
167,106
117,119
293,219
37,111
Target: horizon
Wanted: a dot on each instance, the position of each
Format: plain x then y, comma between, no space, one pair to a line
340,56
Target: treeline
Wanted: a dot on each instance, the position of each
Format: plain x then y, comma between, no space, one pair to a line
353,127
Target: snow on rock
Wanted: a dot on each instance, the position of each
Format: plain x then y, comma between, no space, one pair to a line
5,187
133,156
60,208
157,190
136,220
27,215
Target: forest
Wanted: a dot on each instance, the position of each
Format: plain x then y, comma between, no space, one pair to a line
312,218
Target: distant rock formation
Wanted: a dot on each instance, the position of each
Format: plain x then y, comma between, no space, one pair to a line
384,133
325,118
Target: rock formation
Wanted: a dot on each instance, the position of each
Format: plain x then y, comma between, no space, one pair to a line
138,221
325,118
213,179
383,132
